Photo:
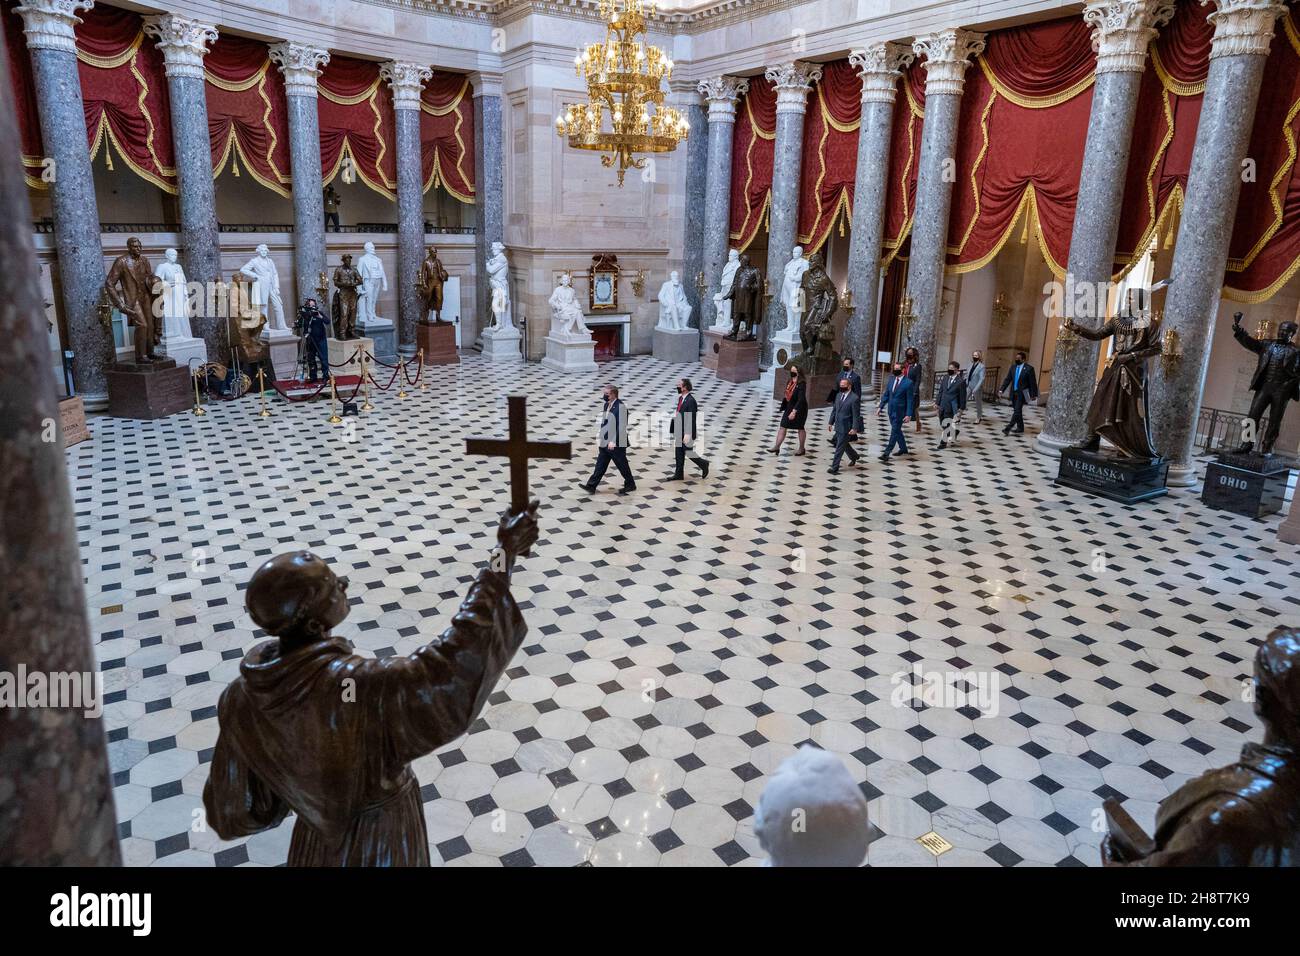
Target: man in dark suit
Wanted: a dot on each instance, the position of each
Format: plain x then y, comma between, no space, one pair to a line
1024,387
613,443
897,397
855,380
951,403
845,424
683,431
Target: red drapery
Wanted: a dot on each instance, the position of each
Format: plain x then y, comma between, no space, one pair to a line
830,153
447,135
356,120
124,88
1024,120
20,81
751,160
247,116
904,152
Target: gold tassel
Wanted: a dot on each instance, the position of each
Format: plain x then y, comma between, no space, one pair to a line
1024,233
108,157
234,162
1169,238
767,219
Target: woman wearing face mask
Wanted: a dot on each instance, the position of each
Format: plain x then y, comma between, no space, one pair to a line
794,411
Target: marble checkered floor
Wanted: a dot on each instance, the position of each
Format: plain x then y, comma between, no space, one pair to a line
685,639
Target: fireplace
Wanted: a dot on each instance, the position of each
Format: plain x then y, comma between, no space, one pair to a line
612,333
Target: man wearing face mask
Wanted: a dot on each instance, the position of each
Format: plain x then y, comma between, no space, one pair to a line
612,443
1024,387
951,403
897,397
847,372
845,424
975,383
683,431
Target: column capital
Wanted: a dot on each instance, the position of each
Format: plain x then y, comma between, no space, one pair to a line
407,81
947,54
880,65
184,43
301,65
793,82
487,84
721,93
1243,27
1123,29
48,24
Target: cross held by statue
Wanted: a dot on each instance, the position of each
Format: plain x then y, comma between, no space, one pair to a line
518,449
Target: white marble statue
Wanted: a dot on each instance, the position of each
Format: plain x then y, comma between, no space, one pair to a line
792,289
566,315
373,281
266,288
175,300
723,322
674,307
811,813
498,273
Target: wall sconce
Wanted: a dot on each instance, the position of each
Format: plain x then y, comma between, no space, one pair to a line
1171,352
700,285
638,283
767,293
1264,330
906,314
104,310
323,287
846,300
1001,311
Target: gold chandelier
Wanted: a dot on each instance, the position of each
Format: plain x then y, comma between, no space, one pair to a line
623,76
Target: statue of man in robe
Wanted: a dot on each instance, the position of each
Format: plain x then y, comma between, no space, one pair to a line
175,300
817,334
311,728
373,281
432,277
745,295
498,272
130,286
791,289
674,307
566,314
266,286
720,302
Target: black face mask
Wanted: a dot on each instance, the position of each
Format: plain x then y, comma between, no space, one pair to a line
1020,361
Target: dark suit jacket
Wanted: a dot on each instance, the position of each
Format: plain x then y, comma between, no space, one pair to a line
914,374
613,424
952,391
688,413
1260,347
846,413
898,400
1028,383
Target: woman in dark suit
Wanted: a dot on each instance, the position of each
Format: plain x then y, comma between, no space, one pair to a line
794,411
912,369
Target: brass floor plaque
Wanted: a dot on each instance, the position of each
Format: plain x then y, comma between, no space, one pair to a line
936,844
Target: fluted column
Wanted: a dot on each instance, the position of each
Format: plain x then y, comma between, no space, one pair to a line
721,94
301,66
687,100
947,54
880,65
56,798
793,83
50,41
407,80
1243,32
489,189
1121,33
184,44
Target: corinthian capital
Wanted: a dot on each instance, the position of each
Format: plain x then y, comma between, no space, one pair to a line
880,66
184,43
301,65
721,93
1122,30
793,81
1243,27
407,80
947,54
48,23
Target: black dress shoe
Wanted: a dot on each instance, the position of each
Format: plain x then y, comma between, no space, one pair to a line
675,478
832,471
942,445
884,458
625,490
1007,430
589,489
704,470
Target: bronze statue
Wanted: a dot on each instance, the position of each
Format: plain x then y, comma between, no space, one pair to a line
746,297
432,276
1276,380
131,287
1119,406
1245,814
344,305
817,333
312,728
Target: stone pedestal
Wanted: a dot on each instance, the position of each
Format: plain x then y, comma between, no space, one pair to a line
72,421
1251,485
785,346
282,346
1289,531
155,390
1111,475
188,353
673,345
709,357
737,361
502,345
570,353
385,336
817,389
438,341
348,351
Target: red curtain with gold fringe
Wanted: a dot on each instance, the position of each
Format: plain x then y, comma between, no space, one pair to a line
23,87
247,116
447,135
904,156
356,120
751,160
830,154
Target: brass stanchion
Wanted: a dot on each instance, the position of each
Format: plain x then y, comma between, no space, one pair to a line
261,394
419,371
401,367
365,381
198,404
334,397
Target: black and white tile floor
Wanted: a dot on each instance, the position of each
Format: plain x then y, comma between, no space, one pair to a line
685,639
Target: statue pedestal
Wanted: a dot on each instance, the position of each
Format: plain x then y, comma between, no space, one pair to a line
345,355
384,335
188,352
438,342
737,361
576,353
677,345
1252,485
155,390
709,357
1111,475
282,345
1289,531
820,389
502,345
785,346
72,421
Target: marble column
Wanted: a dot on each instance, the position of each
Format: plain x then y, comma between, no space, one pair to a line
688,102
489,191
1121,32
184,43
301,65
947,54
1243,32
407,80
48,26
721,94
880,66
793,83
56,799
